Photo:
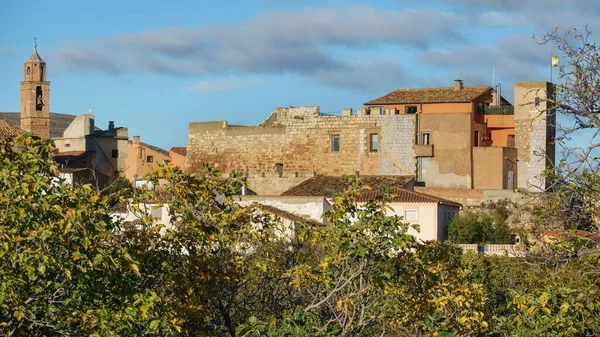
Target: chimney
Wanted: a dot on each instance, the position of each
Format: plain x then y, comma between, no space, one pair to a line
458,84
111,126
136,139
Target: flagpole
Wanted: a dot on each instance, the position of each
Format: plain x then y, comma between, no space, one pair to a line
551,66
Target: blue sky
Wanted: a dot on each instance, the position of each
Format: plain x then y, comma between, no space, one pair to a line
154,66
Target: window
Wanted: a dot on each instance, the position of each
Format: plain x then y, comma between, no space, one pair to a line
382,111
481,108
149,159
335,143
28,71
476,139
39,101
410,214
67,145
115,153
510,140
279,169
537,101
373,142
425,138
411,109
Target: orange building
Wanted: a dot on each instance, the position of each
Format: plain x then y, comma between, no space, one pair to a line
178,154
460,122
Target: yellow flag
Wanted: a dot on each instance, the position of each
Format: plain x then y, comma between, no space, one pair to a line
555,60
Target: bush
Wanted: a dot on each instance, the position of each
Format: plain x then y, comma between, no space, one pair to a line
473,229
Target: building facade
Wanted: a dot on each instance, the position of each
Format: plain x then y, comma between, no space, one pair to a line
143,158
457,137
105,151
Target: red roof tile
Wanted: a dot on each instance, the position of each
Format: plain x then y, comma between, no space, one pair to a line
181,150
9,130
402,195
431,95
73,153
327,186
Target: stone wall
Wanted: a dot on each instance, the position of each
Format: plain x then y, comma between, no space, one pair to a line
534,133
297,143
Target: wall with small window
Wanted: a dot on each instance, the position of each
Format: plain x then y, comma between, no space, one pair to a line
422,214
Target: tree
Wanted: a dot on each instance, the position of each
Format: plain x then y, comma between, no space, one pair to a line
577,103
63,272
472,228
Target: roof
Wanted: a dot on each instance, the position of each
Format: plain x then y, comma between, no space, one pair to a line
181,150
9,130
287,215
327,186
152,147
431,95
58,122
561,233
402,195
72,154
35,57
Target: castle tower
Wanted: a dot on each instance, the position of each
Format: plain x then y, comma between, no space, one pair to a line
35,96
535,130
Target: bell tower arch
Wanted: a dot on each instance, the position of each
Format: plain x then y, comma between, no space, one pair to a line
35,96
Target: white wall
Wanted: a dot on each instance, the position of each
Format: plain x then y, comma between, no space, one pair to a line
308,207
427,219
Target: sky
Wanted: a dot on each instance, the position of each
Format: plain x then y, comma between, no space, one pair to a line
154,66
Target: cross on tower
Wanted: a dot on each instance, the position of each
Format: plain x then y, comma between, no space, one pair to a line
35,42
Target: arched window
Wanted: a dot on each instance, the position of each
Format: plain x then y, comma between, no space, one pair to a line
28,71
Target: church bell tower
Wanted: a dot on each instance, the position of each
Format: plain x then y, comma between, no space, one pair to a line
35,96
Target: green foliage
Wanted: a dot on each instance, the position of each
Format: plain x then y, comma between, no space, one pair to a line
218,269
471,228
62,271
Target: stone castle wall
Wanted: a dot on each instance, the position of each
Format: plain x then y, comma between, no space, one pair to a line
534,133
295,143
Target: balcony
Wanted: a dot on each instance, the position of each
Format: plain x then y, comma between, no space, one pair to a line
424,150
498,110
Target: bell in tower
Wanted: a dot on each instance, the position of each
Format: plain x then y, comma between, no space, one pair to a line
35,96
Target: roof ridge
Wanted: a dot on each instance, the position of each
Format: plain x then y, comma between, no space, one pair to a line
433,88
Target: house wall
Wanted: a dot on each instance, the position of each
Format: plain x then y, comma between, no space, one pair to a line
427,219
81,136
492,166
177,160
300,139
450,135
428,107
136,163
309,207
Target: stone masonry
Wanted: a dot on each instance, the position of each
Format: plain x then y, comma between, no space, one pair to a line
294,144
535,125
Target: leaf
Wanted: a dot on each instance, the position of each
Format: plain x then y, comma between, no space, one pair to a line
136,269
154,324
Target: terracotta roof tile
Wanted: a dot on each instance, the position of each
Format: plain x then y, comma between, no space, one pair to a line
73,153
181,150
402,195
9,130
431,95
327,186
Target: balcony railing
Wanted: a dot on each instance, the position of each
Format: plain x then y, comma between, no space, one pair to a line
499,110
